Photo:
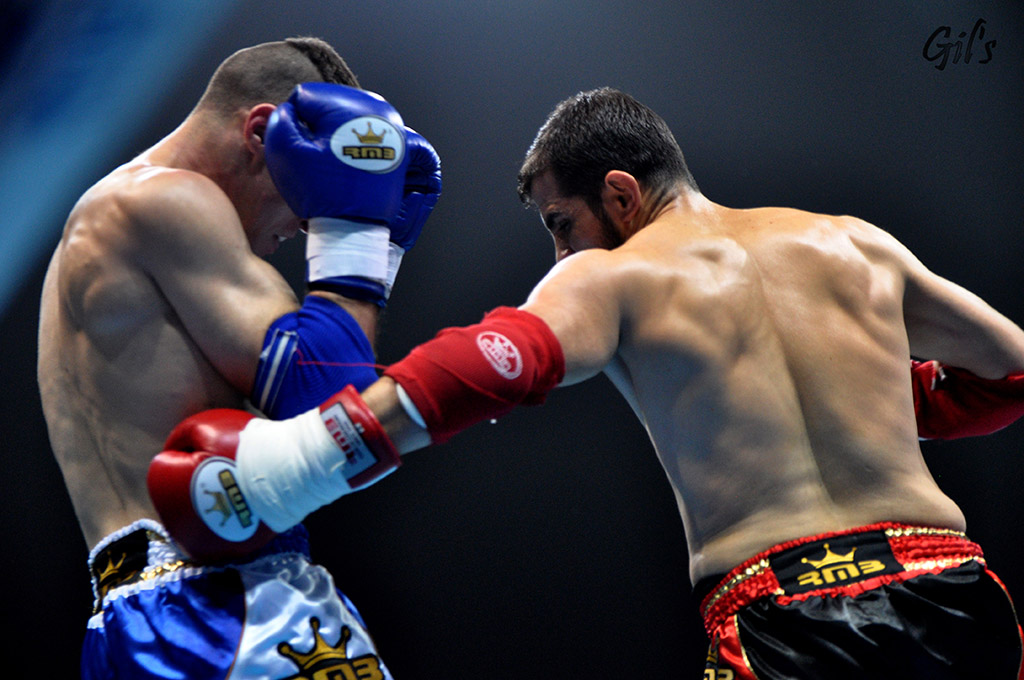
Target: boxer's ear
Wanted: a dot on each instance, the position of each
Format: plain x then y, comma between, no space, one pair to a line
622,199
254,128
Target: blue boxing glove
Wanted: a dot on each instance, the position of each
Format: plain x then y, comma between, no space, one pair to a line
338,156
422,189
337,151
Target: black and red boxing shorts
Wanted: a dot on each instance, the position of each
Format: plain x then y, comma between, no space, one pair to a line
881,601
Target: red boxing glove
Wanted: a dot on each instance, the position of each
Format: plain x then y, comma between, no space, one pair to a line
229,482
194,486
465,375
952,402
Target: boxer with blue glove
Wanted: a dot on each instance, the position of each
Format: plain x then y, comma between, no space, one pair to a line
158,305
365,184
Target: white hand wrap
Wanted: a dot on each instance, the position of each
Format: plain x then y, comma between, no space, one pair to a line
289,468
341,248
395,253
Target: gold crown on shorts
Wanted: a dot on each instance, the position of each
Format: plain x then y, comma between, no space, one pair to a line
830,558
111,568
321,650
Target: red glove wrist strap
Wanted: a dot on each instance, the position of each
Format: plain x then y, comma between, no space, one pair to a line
368,450
465,375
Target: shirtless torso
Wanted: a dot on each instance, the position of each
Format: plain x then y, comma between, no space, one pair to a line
769,363
767,353
154,307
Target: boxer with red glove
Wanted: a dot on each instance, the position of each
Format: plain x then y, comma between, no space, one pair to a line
227,481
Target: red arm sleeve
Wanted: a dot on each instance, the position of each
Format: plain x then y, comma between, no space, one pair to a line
465,375
951,402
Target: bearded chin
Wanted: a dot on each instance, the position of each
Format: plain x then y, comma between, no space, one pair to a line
610,236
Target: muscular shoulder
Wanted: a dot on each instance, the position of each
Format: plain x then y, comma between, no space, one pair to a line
874,242
593,277
137,223
807,241
632,283
679,266
884,254
139,207
174,203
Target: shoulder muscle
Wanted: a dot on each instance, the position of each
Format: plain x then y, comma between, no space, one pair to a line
580,300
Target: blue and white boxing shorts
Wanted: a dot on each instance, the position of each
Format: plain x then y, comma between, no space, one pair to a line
275,616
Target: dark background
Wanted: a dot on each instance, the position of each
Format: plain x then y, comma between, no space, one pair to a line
547,545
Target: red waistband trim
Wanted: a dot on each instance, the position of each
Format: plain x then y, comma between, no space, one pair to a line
918,550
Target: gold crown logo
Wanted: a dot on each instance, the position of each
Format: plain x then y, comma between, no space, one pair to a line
111,576
321,650
220,504
111,569
370,137
830,558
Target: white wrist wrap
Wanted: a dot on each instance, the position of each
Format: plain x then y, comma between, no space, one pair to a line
341,248
395,253
289,468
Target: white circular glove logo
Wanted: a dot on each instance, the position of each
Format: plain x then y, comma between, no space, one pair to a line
499,351
218,500
369,143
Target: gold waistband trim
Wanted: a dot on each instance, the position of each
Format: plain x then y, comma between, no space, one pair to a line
914,548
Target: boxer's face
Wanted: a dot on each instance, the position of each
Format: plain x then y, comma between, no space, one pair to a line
267,219
574,226
265,216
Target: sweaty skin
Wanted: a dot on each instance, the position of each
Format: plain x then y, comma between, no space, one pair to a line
155,305
766,352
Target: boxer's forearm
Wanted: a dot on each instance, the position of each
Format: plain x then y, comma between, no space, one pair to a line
405,434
